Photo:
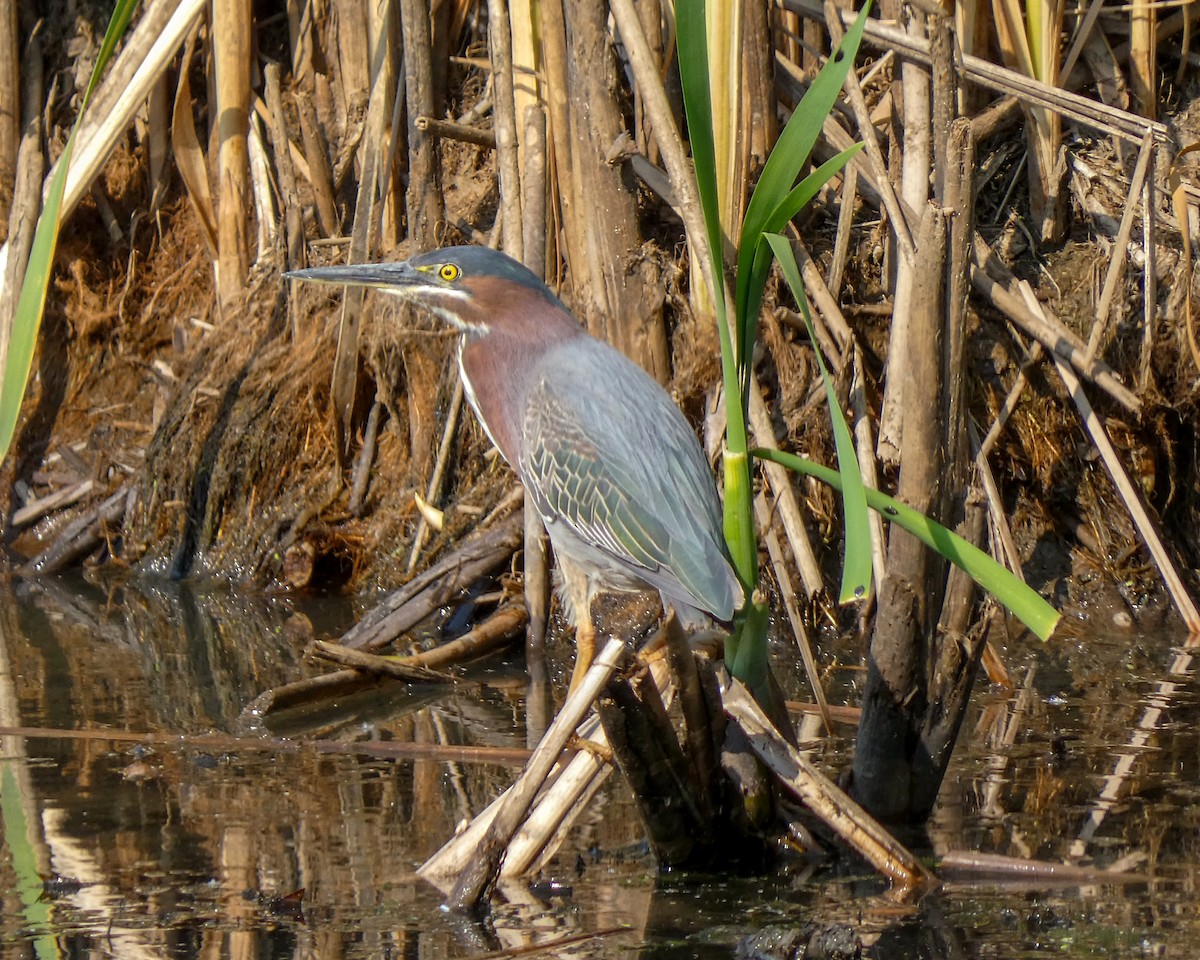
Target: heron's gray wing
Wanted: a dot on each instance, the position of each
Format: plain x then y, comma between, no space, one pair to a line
624,471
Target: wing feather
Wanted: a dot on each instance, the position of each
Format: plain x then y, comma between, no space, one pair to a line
585,465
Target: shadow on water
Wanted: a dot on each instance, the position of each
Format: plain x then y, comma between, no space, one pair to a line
190,845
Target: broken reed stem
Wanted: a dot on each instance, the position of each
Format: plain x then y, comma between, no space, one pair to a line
448,130
231,61
1133,503
481,873
823,798
1116,265
505,125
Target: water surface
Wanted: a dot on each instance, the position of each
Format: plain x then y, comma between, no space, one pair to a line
204,841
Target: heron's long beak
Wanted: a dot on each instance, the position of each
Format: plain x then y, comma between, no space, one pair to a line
395,278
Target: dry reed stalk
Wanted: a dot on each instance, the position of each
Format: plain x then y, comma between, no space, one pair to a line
1029,41
231,63
822,797
916,154
27,194
847,201
958,194
355,69
383,31
360,477
263,185
149,52
505,126
158,126
535,189
364,235
662,122
284,169
1043,326
424,201
902,219
780,481
1083,110
1143,57
567,788
316,157
1116,265
301,14
10,101
1149,275
1004,546
524,61
616,290
1125,488
479,875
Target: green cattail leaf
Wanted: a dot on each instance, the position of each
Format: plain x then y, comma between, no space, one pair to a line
1025,603
856,562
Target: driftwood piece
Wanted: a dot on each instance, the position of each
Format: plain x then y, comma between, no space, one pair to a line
477,556
493,633
425,593
81,537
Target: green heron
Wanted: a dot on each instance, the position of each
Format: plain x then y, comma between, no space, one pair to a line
606,457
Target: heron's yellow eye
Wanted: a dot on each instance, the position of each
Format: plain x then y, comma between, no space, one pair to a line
448,272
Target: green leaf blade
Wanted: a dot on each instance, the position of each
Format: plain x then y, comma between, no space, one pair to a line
856,562
1025,603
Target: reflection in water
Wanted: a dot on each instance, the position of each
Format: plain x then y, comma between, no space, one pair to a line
115,848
